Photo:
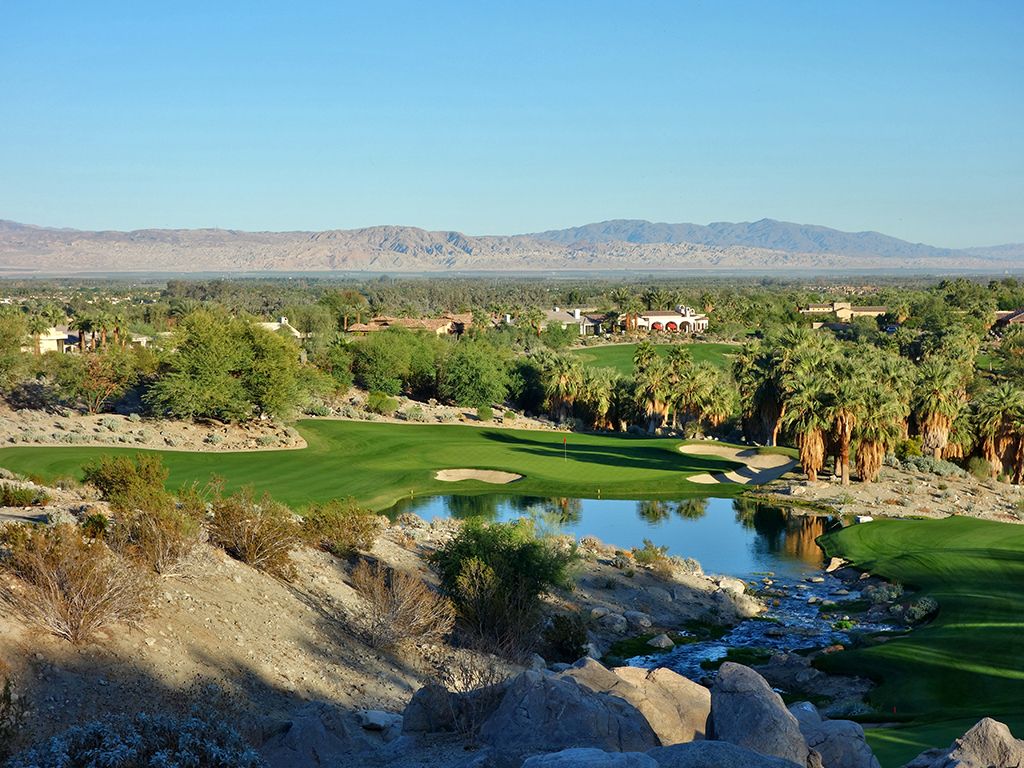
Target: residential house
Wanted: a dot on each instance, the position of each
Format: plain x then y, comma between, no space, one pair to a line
681,320
1008,318
438,326
843,310
54,339
588,322
282,324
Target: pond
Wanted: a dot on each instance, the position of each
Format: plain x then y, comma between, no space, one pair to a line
770,546
727,536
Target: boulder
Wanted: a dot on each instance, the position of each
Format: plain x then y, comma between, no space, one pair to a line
732,585
675,708
714,754
434,709
544,713
840,743
662,642
614,622
745,711
387,724
591,758
637,619
989,744
314,735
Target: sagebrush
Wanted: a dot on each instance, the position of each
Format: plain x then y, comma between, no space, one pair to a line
401,608
68,584
256,530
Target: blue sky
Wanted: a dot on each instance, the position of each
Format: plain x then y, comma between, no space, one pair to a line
903,117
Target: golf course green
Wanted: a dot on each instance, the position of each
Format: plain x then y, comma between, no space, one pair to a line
620,356
968,662
379,463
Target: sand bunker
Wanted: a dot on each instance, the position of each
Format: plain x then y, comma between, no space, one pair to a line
483,475
758,467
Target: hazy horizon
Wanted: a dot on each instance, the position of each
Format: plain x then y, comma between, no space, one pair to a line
894,118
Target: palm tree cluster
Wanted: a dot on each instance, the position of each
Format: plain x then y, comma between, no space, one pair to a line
663,392
854,402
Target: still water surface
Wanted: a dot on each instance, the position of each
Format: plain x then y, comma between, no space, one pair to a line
727,536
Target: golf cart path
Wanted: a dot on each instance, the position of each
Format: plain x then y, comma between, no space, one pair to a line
758,467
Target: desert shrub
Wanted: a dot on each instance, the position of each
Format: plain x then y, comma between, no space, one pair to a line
67,584
150,525
920,609
508,417
565,638
480,684
265,440
400,607
258,531
213,439
143,741
415,413
883,593
381,403
66,483
22,496
495,575
317,409
95,525
341,527
485,413
164,539
130,483
980,468
654,557
908,448
134,418
110,424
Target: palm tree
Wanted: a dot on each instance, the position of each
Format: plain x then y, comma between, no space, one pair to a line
999,420
37,325
563,385
653,389
83,324
878,427
119,322
938,398
844,406
656,298
596,395
807,421
534,318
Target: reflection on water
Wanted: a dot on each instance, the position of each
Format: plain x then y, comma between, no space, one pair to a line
729,536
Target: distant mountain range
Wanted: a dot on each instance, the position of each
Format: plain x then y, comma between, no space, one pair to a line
760,246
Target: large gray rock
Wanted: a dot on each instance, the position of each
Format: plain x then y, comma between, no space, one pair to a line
315,735
989,744
676,708
714,754
840,743
591,758
544,713
434,709
748,713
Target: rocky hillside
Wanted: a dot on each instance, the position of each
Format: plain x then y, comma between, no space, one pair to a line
622,245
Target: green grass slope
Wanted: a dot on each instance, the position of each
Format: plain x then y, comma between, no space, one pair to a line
378,463
966,664
620,356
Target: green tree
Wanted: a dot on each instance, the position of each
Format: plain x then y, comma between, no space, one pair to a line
12,335
473,375
939,395
201,375
96,380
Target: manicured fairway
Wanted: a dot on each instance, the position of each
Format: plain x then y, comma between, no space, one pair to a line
966,664
380,463
620,356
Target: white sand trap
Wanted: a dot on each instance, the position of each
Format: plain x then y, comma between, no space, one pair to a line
483,475
758,467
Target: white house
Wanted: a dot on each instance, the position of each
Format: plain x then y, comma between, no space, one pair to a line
682,320
282,325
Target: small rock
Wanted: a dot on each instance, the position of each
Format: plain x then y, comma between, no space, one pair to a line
662,641
638,619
